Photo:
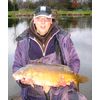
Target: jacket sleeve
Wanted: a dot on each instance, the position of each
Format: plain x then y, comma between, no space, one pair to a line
73,58
17,58
69,54
18,62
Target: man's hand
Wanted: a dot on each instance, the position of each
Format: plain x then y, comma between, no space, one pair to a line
27,81
62,82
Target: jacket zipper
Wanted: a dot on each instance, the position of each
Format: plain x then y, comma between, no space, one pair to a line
50,40
39,45
44,52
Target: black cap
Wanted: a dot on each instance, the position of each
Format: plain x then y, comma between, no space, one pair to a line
43,11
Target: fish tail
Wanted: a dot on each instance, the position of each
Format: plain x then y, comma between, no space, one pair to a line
82,79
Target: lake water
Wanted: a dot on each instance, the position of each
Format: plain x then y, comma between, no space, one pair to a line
81,35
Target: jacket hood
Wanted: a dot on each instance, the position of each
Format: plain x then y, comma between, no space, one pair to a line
31,32
52,30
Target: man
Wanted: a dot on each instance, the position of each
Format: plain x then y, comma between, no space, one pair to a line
45,42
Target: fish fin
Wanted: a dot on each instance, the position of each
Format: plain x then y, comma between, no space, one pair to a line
46,88
82,79
32,85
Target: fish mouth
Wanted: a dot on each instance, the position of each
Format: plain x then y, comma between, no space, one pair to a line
16,77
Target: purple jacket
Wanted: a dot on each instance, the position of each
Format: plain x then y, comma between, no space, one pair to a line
30,51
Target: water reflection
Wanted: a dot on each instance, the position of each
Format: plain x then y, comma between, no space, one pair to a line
66,22
80,29
12,22
73,22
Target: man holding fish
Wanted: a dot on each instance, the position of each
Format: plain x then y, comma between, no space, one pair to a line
45,43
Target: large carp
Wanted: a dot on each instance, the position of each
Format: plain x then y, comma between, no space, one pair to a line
48,75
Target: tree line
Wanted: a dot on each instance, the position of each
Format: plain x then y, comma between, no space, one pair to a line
55,4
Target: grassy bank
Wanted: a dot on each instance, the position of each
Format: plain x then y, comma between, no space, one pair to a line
75,12
29,13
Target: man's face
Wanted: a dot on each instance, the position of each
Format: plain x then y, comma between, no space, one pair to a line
42,24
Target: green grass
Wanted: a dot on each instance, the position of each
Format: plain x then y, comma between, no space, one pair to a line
12,14
74,12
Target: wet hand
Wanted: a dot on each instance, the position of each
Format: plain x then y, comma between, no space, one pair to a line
62,82
27,81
